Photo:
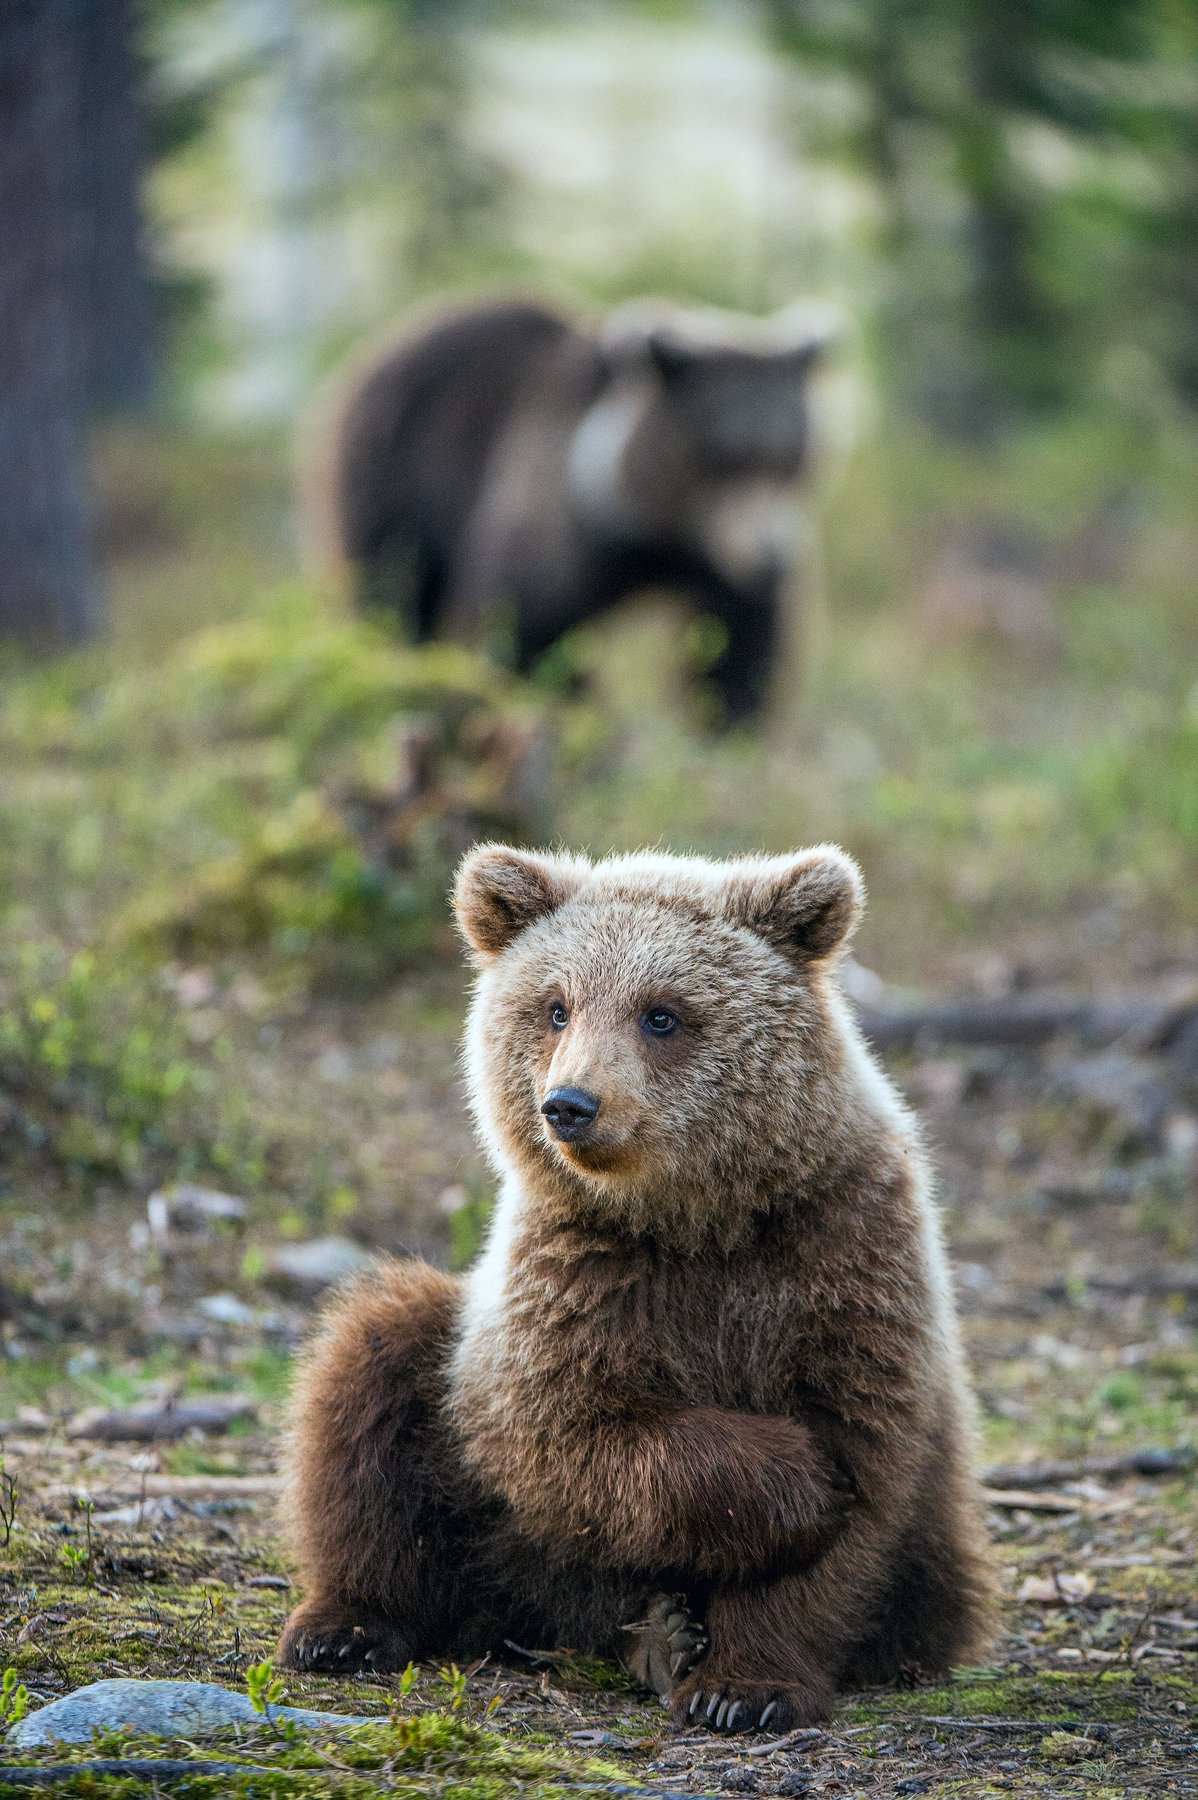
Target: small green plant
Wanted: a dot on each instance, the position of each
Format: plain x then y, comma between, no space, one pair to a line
264,1687
78,1558
455,1681
407,1680
14,1699
73,1557
265,1690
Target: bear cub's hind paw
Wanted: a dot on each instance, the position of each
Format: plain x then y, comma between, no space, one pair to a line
748,1706
664,1646
341,1643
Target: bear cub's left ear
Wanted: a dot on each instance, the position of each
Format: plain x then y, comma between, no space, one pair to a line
806,905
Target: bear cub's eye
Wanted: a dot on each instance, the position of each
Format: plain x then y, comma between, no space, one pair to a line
559,1018
659,1020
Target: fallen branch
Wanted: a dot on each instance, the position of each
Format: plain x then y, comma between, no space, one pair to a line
1029,1021
156,1770
160,1424
1158,1284
1149,1462
174,1487
954,1724
1025,1500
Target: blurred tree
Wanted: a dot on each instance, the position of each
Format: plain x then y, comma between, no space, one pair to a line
450,191
111,278
1002,134
45,590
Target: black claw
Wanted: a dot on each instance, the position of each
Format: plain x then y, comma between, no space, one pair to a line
734,1712
768,1714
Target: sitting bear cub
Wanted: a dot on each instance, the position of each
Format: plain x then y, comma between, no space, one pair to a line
700,1402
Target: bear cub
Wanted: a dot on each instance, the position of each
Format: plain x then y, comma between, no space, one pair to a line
700,1403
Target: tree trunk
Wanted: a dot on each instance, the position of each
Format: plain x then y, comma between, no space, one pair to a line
45,590
111,280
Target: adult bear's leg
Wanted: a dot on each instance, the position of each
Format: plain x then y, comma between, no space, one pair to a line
377,1506
743,670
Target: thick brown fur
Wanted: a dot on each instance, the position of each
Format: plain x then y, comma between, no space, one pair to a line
506,455
709,1346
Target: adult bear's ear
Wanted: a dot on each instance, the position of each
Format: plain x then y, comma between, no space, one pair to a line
499,892
807,332
805,905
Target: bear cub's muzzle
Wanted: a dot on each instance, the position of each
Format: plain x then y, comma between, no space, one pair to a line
570,1113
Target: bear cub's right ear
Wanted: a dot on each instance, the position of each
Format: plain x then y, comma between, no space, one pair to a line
499,892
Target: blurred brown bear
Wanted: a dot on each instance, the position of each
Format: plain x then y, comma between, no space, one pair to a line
505,455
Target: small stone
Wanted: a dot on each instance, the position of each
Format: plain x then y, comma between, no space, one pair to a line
168,1709
225,1309
304,1269
195,987
794,1785
191,1211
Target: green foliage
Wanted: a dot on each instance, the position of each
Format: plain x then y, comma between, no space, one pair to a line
14,1699
98,1071
1036,168
264,1687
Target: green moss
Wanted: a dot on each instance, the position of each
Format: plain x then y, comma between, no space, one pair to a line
432,1752
1057,1697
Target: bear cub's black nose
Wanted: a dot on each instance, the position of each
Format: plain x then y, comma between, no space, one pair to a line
570,1112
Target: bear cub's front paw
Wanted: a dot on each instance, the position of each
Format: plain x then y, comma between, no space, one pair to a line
321,1638
665,1645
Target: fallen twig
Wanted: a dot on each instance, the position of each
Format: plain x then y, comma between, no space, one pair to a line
159,1424
1147,1462
1029,1021
954,1724
1026,1500
164,1770
176,1487
1180,1278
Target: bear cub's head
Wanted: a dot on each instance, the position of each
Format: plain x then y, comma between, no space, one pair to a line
653,1026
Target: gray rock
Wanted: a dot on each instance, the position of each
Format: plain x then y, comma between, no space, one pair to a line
168,1709
191,1210
304,1269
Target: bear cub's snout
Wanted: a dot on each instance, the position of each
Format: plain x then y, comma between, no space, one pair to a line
570,1113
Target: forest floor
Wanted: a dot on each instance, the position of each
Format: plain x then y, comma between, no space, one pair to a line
290,1037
